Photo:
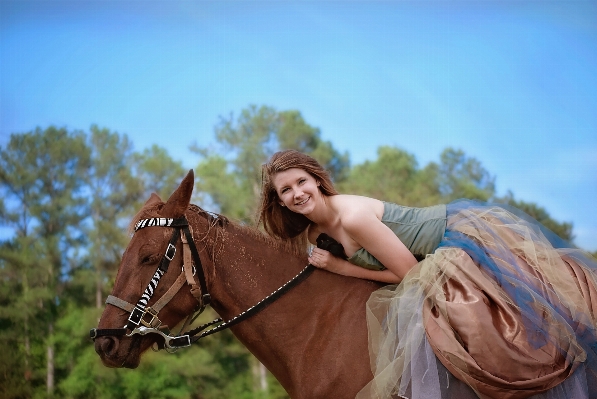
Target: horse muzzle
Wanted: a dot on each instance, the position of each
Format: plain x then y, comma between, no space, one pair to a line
116,353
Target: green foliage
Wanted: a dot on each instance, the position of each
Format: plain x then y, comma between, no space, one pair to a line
41,178
462,177
394,176
41,174
114,194
157,172
224,187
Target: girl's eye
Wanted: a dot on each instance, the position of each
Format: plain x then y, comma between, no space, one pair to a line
302,181
284,190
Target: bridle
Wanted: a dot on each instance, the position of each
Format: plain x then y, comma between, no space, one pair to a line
144,319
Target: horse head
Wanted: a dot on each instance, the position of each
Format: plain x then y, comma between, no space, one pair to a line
150,246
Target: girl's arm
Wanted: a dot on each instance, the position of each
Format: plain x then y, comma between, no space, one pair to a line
324,260
369,232
381,242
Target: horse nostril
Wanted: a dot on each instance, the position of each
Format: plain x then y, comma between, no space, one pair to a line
106,345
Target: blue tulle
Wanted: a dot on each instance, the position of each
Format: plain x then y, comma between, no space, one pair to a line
516,283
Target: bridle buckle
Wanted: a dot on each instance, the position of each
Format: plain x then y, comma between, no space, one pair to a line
153,321
170,252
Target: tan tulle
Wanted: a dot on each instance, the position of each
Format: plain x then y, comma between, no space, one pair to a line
471,324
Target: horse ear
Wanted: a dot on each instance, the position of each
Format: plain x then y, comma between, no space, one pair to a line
153,199
179,201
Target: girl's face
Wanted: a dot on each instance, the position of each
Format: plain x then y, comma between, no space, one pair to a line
297,190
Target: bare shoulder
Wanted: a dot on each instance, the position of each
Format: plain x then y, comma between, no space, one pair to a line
354,209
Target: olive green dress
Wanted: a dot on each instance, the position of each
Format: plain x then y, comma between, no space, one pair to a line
420,229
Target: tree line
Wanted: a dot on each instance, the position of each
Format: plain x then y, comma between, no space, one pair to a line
66,198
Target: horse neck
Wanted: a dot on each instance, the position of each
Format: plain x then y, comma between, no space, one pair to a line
243,265
248,267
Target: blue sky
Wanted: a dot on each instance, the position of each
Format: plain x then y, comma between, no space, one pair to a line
512,83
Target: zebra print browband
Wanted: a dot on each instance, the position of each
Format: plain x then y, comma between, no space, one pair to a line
161,222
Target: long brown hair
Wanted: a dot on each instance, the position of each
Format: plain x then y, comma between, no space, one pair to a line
279,221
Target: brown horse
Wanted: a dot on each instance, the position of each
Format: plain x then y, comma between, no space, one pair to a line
313,339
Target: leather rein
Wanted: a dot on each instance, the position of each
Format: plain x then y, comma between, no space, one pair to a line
144,319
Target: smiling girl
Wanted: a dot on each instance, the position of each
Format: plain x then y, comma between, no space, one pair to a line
480,292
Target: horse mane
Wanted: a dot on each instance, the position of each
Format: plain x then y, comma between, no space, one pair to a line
221,221
215,219
281,245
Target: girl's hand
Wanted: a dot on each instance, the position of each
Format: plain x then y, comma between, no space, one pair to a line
323,259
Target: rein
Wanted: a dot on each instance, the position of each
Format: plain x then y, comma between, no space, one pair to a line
144,319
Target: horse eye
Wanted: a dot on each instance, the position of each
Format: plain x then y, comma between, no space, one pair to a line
148,259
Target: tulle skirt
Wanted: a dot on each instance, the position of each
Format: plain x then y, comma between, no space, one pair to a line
502,309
